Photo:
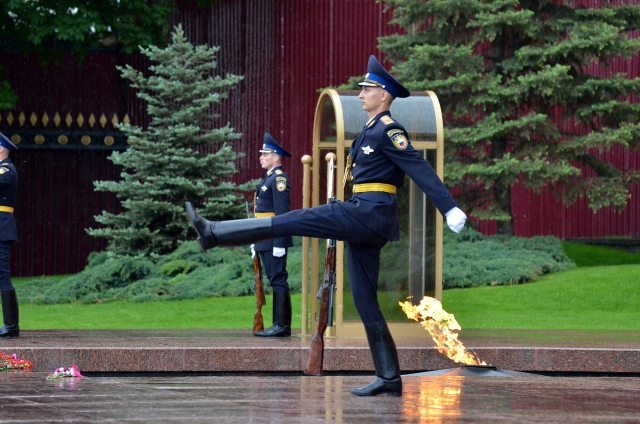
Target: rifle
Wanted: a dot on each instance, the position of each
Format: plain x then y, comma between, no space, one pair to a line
326,295
258,322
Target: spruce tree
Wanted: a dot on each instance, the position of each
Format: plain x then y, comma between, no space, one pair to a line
178,157
528,93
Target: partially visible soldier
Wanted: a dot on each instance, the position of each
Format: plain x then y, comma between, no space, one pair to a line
272,198
8,234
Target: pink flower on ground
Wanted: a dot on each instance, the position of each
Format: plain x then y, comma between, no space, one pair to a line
75,372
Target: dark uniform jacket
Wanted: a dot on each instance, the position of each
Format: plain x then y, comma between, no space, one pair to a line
272,195
8,188
382,153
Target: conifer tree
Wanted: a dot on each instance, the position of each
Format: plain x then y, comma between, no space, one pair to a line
515,78
168,162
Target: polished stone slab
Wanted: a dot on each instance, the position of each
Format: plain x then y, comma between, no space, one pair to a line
237,351
29,397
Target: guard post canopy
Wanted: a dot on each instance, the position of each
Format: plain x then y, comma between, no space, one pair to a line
411,267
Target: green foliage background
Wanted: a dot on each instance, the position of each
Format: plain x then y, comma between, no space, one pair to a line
179,156
470,260
510,75
186,273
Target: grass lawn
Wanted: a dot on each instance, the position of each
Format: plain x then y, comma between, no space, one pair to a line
605,297
216,312
590,298
593,255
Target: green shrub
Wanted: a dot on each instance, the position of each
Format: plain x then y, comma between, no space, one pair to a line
472,259
187,273
178,266
594,255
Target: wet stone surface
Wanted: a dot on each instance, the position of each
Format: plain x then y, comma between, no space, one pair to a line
29,397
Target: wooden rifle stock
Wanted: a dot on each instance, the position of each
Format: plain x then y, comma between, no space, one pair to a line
325,318
258,322
326,292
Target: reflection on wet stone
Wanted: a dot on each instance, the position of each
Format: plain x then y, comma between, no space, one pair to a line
317,399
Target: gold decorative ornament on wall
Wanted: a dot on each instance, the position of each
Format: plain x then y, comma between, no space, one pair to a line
39,139
108,140
16,139
85,140
63,139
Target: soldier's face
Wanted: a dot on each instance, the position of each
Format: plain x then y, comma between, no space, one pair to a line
371,98
268,160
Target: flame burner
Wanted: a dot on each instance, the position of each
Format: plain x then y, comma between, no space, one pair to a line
472,371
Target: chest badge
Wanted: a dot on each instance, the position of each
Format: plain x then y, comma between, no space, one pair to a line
367,150
264,188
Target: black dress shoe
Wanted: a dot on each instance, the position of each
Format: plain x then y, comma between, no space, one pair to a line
206,239
275,331
10,331
380,386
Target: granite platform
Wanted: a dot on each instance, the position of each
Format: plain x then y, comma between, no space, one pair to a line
220,352
31,398
229,376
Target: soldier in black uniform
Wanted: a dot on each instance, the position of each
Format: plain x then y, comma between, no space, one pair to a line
378,160
8,234
272,199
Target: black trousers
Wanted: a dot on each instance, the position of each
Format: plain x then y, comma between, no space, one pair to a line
5,265
275,268
335,221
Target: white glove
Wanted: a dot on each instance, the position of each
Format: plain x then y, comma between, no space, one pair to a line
279,252
253,252
456,219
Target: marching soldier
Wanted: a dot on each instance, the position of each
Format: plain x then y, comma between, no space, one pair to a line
8,235
272,199
378,160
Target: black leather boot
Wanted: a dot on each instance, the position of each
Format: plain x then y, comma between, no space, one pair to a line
385,361
281,317
239,232
9,314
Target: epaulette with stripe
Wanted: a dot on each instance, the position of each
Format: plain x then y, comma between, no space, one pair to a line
387,120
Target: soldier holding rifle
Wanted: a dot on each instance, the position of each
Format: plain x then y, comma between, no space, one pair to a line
272,199
378,160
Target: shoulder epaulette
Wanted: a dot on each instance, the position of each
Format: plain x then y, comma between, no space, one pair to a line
387,120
